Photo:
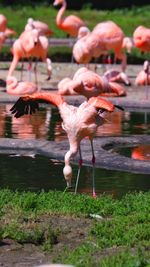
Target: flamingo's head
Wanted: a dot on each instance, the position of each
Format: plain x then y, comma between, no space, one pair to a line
30,21
83,31
81,53
67,171
58,2
146,66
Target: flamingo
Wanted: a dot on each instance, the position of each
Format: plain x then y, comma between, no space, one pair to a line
83,31
69,24
3,26
113,75
30,44
14,87
143,77
104,37
78,122
89,83
128,44
42,27
141,38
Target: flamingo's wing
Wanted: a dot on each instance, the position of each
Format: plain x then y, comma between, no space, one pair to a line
103,104
30,103
24,106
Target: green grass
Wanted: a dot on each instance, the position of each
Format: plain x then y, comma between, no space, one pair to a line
127,19
121,238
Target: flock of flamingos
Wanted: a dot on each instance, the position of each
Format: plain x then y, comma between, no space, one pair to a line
83,121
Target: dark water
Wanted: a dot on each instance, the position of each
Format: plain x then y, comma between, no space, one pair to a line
34,172
140,152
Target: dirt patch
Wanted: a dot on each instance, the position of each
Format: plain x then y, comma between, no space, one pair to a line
71,232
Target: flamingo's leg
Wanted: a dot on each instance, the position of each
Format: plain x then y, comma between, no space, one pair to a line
146,82
29,68
35,71
22,69
93,171
79,170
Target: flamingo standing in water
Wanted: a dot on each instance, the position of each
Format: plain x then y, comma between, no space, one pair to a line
88,83
69,24
14,87
78,122
30,44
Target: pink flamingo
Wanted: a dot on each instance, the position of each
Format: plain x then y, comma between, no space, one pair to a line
41,26
104,37
141,38
69,24
128,44
3,26
88,83
78,122
83,31
30,44
14,87
113,75
143,77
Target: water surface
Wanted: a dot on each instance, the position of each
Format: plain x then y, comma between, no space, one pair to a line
35,172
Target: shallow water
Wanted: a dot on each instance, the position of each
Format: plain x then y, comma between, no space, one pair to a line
42,173
140,152
46,124
35,173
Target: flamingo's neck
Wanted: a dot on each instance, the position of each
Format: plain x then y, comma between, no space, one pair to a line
59,18
67,171
12,82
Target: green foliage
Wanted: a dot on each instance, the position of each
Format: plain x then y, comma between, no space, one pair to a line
123,230
127,19
126,258
68,203
90,255
121,238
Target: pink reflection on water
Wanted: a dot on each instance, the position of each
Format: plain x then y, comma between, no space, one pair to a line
47,124
44,123
141,152
30,127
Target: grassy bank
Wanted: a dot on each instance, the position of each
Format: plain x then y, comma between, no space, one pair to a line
127,19
116,232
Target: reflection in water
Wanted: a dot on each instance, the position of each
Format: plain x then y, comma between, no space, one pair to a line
141,152
47,174
46,124
42,173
